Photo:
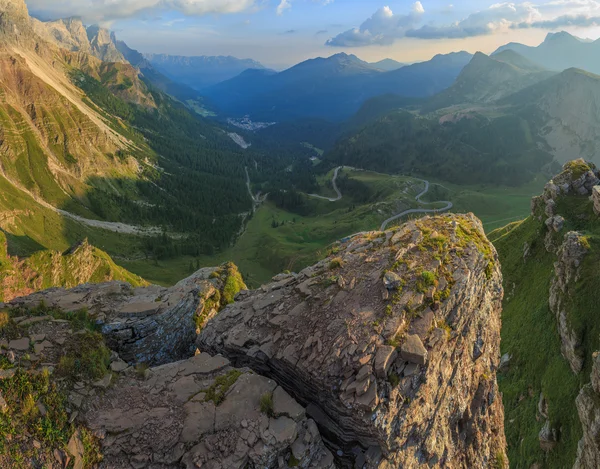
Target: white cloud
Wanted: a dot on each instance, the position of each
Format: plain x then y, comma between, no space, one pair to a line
384,27
498,17
283,5
105,10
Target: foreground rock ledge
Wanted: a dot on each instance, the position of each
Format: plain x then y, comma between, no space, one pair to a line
152,325
201,412
392,343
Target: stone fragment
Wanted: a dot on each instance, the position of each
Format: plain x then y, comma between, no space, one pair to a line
21,345
548,437
118,366
413,351
392,281
284,405
76,450
385,356
104,382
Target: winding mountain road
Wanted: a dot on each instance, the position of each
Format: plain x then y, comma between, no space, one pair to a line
448,206
335,187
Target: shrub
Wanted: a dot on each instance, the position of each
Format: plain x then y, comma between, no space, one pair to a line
218,390
86,357
266,404
336,263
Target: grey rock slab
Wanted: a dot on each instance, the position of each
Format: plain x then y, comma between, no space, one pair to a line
242,401
199,420
104,382
118,366
19,344
384,357
186,387
30,321
284,404
413,350
203,364
284,429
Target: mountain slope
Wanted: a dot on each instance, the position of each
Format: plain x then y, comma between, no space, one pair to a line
550,321
388,65
71,34
82,263
333,88
471,149
487,79
560,51
200,72
84,138
566,108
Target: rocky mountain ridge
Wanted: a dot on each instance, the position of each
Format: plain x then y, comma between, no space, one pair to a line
549,263
383,354
73,35
82,263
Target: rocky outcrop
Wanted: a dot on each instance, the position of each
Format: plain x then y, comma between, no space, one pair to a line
566,274
199,412
588,408
577,178
392,343
151,325
82,263
203,413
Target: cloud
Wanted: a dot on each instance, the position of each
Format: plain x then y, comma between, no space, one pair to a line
496,18
383,28
565,21
287,4
106,10
283,5
322,31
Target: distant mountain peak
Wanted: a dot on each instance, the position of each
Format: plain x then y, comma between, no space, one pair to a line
562,36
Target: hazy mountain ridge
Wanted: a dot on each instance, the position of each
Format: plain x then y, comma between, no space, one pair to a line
199,72
488,79
331,88
561,51
566,106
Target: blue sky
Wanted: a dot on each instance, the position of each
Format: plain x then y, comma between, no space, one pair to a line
284,32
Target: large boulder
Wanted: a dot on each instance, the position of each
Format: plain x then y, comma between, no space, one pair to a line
152,325
397,370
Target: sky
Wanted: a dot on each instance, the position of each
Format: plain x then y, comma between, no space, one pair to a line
280,33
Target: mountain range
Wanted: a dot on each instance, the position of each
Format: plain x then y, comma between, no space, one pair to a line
560,51
330,88
203,71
